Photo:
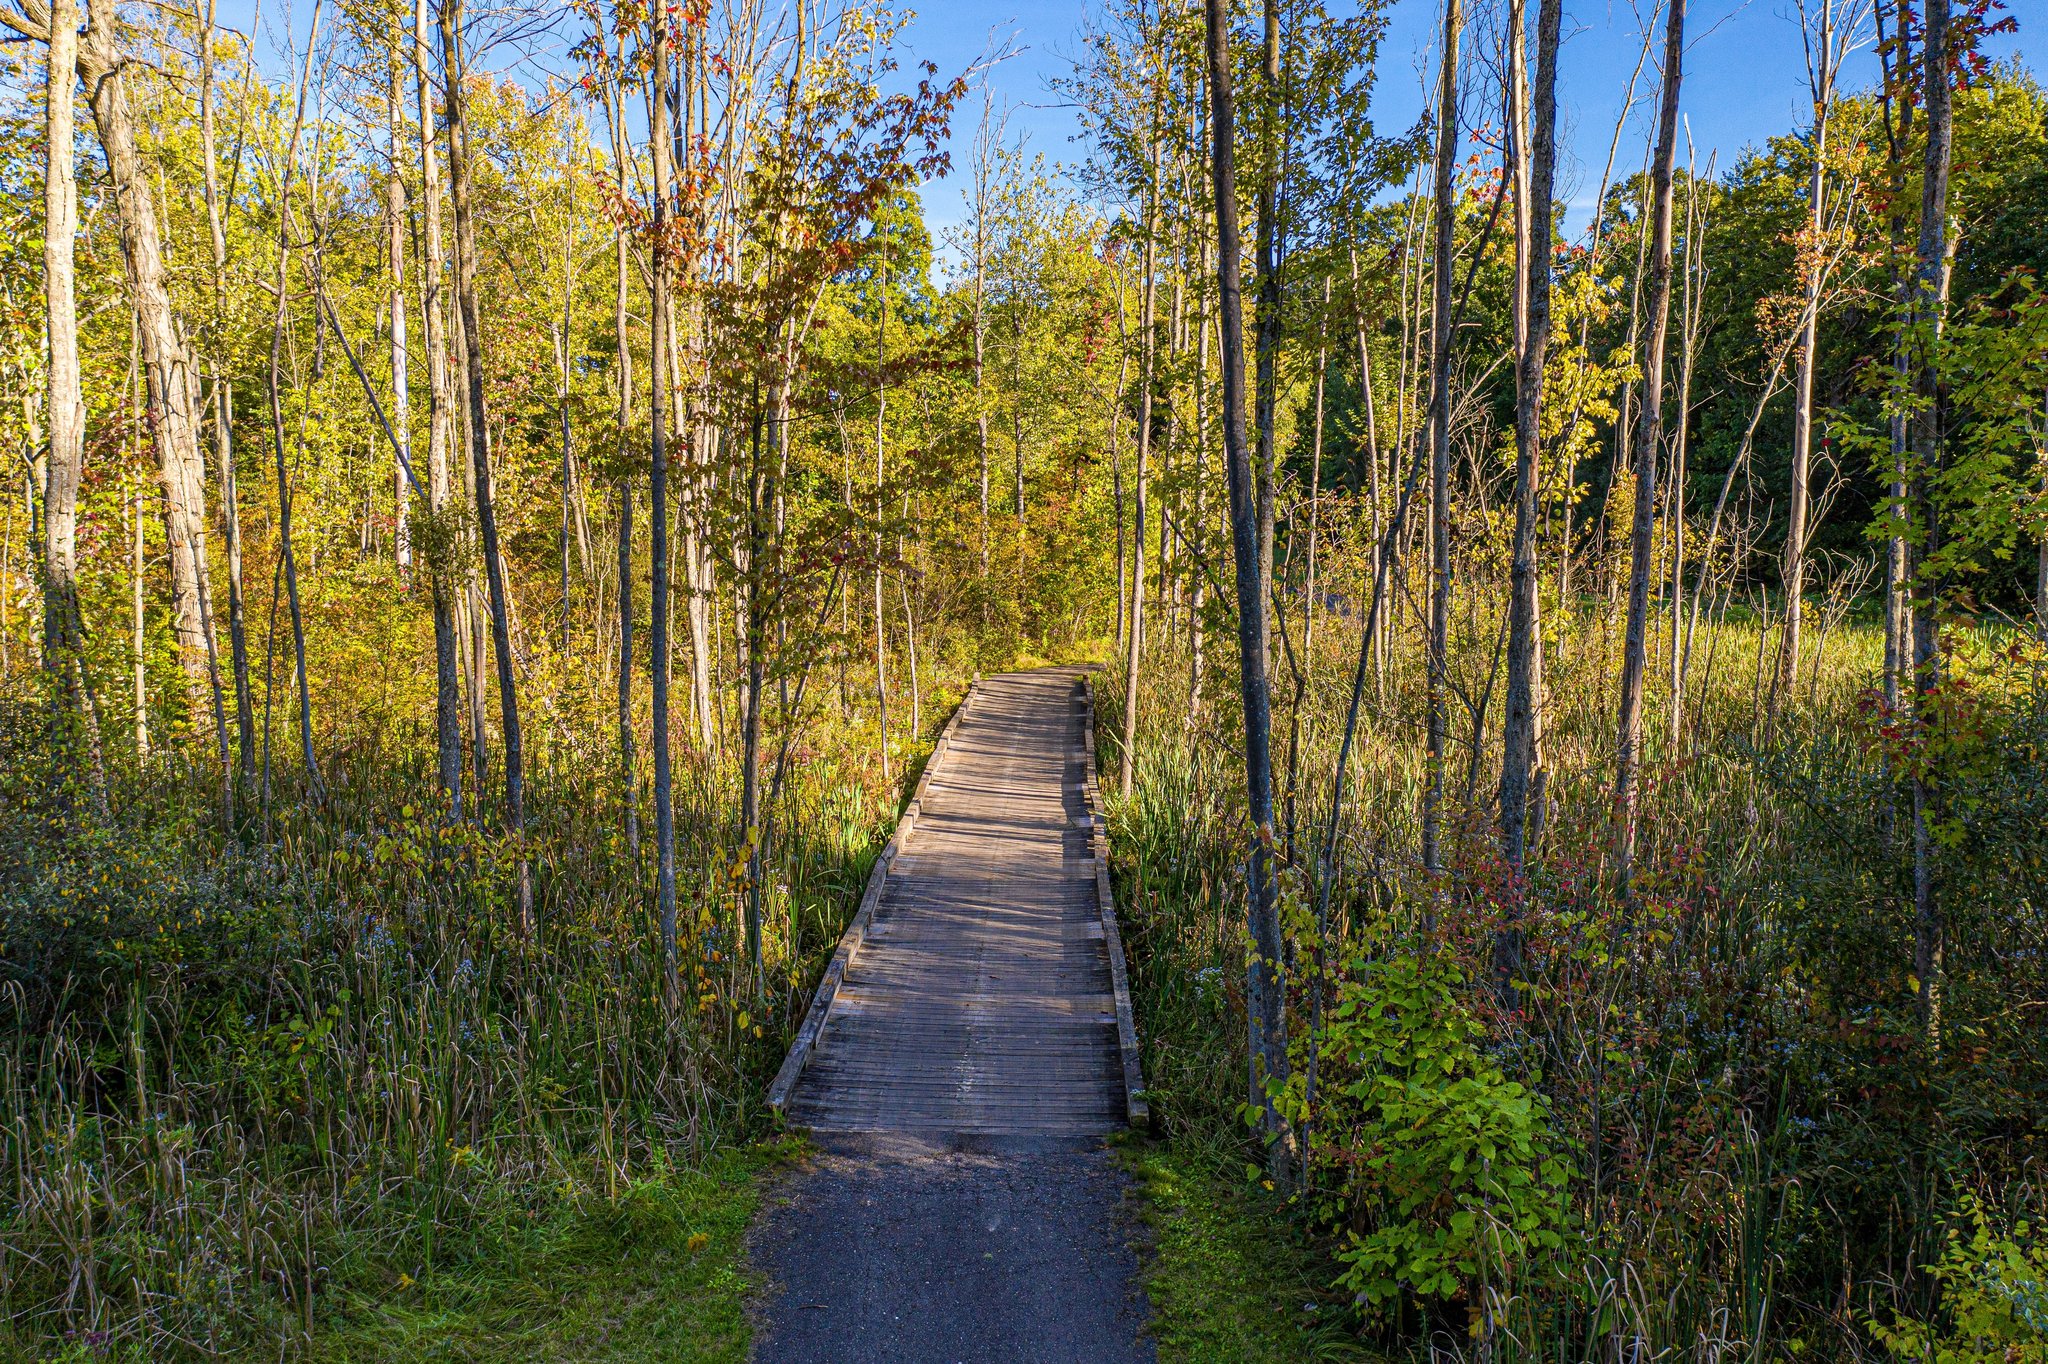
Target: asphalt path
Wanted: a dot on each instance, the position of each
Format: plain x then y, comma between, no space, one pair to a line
905,1251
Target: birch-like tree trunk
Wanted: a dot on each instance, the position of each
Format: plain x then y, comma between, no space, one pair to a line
166,365
62,638
1634,659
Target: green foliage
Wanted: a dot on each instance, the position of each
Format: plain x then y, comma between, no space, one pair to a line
1458,1178
1994,1297
1230,1277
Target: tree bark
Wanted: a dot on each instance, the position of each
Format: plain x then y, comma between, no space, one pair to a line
629,804
1628,751
1147,324
1269,247
452,64
441,549
1929,302
1518,733
63,641
658,621
166,365
1265,997
1443,264
224,413
401,378
1794,562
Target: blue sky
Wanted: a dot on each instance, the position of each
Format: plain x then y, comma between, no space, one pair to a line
1745,75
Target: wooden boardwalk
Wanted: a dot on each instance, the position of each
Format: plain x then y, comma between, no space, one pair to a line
980,991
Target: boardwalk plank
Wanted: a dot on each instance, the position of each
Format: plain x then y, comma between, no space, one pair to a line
981,999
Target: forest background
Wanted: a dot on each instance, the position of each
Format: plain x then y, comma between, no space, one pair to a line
483,555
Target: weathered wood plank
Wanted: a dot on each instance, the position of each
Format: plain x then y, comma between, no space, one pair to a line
982,991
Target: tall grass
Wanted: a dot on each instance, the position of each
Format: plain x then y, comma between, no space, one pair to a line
248,1081
1764,1147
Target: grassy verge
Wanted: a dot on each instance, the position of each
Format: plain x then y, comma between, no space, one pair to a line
657,1273
1230,1279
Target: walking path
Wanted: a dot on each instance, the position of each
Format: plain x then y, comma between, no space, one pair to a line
969,1047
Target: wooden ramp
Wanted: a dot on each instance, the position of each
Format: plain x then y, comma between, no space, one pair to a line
980,990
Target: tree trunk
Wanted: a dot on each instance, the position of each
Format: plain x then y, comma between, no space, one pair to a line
1147,324
1518,733
166,366
1930,300
63,641
1265,998
1443,264
441,547
452,64
1806,359
401,376
287,553
1269,246
881,415
661,321
629,803
223,428
1628,751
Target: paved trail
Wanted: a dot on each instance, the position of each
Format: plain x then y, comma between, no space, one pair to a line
961,1210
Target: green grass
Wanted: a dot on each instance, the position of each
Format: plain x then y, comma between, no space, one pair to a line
657,1273
1230,1278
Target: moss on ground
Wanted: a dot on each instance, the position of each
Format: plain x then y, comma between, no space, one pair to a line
657,1273
1230,1278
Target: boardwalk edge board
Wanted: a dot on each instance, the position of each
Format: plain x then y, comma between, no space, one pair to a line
1136,1108
815,1018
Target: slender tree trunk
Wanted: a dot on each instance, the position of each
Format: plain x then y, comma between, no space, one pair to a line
1147,325
881,417
629,803
1628,751
1265,997
1443,266
452,63
238,632
1315,482
984,151
1198,600
440,550
63,644
138,646
1269,246
662,321
287,552
1930,301
1806,359
166,365
401,376
1518,734
231,516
